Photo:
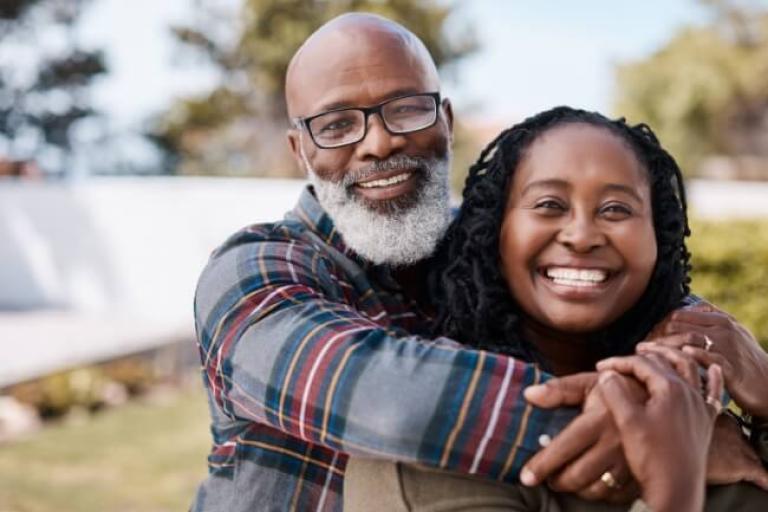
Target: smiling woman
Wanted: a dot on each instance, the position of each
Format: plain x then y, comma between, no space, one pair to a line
578,224
569,247
577,244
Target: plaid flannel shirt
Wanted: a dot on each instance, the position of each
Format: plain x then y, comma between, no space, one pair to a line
310,354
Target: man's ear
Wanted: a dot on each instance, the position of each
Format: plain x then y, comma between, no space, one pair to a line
294,145
448,112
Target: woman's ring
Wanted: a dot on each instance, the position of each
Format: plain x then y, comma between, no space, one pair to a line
708,344
609,480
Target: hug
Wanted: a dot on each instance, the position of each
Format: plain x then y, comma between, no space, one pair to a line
540,351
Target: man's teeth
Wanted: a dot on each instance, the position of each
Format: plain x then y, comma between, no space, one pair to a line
576,276
386,182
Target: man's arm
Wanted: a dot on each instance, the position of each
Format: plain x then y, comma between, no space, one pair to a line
280,345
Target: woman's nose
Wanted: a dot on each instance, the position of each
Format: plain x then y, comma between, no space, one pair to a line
581,234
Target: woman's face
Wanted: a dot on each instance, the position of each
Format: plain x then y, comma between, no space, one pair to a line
577,239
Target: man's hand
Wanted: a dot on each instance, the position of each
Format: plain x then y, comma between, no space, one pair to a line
575,460
731,459
732,347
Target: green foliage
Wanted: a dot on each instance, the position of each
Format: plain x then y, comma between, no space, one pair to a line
144,456
238,128
43,94
730,269
704,92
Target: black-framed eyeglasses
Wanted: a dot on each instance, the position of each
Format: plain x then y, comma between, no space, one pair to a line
344,126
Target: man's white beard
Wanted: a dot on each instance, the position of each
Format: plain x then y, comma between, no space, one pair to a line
400,235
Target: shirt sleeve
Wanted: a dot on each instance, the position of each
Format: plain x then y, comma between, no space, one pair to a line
281,345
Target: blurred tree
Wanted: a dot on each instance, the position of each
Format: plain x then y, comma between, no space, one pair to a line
43,86
238,128
706,91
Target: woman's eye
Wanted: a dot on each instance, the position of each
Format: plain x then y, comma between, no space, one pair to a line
615,211
549,205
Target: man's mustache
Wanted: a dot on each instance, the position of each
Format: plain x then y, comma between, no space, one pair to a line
393,163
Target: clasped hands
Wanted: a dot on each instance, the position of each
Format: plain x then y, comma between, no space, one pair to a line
632,408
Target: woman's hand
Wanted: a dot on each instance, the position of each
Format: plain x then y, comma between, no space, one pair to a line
665,437
731,346
731,459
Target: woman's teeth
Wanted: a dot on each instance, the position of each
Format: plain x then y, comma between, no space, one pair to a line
576,276
385,182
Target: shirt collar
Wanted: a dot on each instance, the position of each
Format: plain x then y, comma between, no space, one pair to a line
309,212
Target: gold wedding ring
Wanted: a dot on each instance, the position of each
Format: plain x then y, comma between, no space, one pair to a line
609,480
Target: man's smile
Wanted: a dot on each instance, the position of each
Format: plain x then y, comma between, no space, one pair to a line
389,185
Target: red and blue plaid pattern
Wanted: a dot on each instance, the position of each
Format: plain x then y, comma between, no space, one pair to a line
310,354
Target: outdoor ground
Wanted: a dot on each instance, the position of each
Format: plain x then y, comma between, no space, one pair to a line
145,456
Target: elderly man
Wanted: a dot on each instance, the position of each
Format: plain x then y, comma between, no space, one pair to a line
313,331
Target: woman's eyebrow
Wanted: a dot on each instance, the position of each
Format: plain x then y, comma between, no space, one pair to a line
617,187
550,183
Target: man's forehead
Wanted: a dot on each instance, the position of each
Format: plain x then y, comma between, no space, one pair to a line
357,63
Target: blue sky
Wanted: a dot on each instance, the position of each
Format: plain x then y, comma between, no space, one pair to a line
534,54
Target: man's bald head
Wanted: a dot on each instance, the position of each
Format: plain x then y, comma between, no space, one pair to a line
342,44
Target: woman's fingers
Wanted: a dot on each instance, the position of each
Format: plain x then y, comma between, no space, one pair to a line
701,318
685,365
715,385
696,337
651,370
619,401
707,358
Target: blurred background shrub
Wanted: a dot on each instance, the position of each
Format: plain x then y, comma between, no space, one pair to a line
730,269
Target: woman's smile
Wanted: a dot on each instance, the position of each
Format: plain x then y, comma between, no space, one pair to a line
575,283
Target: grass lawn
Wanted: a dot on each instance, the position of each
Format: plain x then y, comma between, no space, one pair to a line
142,456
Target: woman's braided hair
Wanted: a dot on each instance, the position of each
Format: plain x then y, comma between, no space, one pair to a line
472,298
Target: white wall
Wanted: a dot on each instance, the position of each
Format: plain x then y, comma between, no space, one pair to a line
728,199
92,269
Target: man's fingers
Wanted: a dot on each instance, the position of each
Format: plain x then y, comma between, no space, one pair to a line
577,437
587,468
562,391
684,364
759,477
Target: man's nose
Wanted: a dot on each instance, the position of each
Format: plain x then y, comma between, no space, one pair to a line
581,233
378,143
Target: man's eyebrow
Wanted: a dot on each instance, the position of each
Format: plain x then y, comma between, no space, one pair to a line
336,105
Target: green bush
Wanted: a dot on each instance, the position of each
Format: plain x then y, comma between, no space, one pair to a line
730,269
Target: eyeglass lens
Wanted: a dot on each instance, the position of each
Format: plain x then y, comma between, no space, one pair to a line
401,115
